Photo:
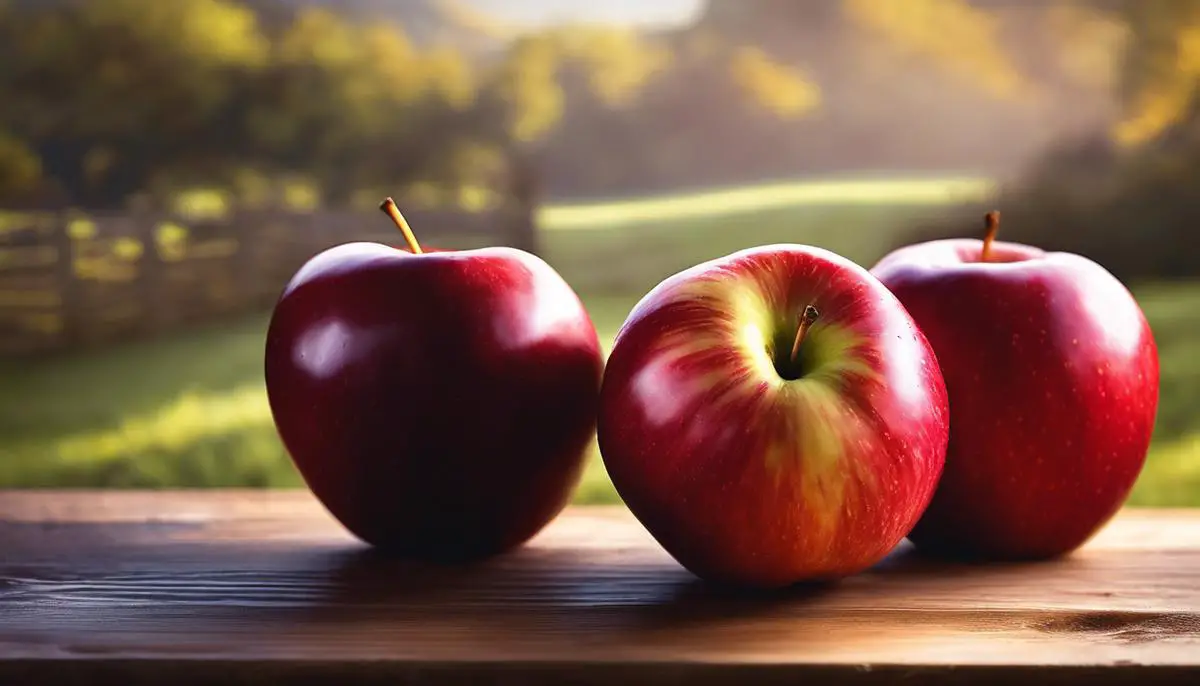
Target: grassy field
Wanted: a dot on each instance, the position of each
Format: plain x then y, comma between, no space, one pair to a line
190,410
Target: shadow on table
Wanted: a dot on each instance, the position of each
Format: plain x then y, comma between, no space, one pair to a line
569,586
249,595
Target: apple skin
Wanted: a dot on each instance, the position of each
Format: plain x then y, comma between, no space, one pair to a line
439,405
1052,373
753,480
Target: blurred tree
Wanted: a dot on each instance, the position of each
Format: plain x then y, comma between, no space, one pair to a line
122,96
1162,69
616,64
461,15
953,34
1089,41
385,110
527,82
781,89
218,91
167,64
619,61
20,169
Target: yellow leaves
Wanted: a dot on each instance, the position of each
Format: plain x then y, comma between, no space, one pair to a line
165,63
127,249
1090,43
1155,110
1164,66
81,229
461,15
529,81
319,36
1188,61
372,69
957,36
368,63
618,64
785,91
449,77
538,107
619,61
388,47
20,167
302,195
219,32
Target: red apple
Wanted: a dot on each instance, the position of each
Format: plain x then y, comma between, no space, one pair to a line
440,405
761,450
1052,374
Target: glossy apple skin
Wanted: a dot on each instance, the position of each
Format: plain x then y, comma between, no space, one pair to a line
1052,373
748,479
439,405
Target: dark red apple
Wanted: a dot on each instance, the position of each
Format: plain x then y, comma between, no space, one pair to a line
440,405
773,416
1052,373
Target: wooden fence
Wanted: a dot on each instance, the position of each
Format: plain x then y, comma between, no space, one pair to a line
75,280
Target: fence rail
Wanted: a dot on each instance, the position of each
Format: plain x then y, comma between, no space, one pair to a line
76,280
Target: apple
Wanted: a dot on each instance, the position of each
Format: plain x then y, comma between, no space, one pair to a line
773,416
1052,373
440,405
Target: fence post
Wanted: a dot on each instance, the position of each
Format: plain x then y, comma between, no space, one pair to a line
152,283
520,213
246,226
66,280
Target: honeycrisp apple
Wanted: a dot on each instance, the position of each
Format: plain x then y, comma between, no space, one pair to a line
440,404
773,416
1052,373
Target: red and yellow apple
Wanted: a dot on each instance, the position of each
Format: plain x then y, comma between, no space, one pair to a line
773,416
1052,374
439,404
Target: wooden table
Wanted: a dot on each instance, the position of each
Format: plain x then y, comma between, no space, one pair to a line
264,588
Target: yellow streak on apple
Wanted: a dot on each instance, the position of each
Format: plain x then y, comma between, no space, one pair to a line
824,422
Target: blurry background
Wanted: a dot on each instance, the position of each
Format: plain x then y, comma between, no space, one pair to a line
166,165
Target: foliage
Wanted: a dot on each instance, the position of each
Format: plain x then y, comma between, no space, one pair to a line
619,62
20,168
779,88
1162,68
529,80
167,64
1125,197
1090,44
953,33
106,100
208,94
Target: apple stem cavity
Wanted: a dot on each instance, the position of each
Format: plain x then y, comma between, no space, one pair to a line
807,318
991,223
390,209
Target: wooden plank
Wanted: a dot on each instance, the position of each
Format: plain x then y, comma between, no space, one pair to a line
266,587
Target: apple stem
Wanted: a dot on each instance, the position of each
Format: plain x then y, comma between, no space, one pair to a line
807,318
389,208
991,223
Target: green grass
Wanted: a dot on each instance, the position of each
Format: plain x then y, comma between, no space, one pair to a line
754,199
190,410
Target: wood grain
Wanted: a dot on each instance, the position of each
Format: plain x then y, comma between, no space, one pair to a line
265,587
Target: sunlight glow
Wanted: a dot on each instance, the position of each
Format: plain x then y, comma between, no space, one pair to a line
768,197
191,418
